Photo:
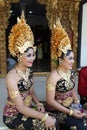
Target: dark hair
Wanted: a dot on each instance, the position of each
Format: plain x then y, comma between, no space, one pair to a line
63,55
28,49
67,54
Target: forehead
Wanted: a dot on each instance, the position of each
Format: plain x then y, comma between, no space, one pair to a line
30,50
70,55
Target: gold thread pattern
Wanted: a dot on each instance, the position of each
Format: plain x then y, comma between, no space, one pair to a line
50,87
28,100
13,94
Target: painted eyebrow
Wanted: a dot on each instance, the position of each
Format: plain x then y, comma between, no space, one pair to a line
71,57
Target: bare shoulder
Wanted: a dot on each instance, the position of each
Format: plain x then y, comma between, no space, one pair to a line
53,77
11,79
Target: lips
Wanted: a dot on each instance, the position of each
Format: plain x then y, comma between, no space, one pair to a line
30,63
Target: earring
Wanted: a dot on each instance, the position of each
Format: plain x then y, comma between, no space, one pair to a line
19,58
60,62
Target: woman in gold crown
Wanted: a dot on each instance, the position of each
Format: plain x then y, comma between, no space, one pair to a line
61,98
18,112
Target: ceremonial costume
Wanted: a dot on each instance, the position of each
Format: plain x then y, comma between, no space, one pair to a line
61,83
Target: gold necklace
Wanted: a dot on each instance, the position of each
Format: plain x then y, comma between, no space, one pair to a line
25,75
64,75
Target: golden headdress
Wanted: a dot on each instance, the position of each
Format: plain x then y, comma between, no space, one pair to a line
20,38
60,41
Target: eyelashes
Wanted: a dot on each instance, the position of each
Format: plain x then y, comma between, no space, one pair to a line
71,58
29,55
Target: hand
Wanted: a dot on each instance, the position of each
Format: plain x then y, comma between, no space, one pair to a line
40,107
84,115
50,122
78,114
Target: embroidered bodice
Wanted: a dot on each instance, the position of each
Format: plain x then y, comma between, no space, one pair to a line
23,85
64,86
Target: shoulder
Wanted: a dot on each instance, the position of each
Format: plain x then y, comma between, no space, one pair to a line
11,73
53,77
52,73
11,79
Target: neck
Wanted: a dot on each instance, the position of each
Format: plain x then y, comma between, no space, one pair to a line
21,68
60,68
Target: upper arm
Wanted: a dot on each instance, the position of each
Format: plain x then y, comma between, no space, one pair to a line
13,91
50,87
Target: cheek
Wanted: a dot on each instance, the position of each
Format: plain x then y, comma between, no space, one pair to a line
73,61
67,62
25,60
34,57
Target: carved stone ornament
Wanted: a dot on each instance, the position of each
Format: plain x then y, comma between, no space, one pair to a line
4,16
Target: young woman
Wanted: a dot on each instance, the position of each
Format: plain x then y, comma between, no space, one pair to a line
18,112
60,90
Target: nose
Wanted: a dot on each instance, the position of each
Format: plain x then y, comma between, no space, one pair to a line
73,61
33,58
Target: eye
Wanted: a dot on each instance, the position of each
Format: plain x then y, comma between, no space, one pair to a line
28,55
34,54
71,58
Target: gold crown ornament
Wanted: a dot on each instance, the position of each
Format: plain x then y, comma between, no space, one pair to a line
60,41
20,38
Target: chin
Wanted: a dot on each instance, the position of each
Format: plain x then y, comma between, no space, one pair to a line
29,66
70,68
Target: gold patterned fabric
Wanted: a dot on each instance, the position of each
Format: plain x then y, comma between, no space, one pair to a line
67,102
13,94
28,100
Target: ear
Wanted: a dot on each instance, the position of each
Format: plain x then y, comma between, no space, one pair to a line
60,61
19,57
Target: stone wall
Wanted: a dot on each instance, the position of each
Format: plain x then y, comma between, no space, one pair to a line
3,65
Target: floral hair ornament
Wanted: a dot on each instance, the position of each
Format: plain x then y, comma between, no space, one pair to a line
21,37
60,41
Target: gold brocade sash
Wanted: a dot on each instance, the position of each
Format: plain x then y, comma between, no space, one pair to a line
66,102
28,100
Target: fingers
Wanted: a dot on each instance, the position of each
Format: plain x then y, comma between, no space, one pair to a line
52,128
84,115
41,109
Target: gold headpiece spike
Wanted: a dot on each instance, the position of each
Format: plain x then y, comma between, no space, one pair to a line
58,23
60,41
18,20
22,15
